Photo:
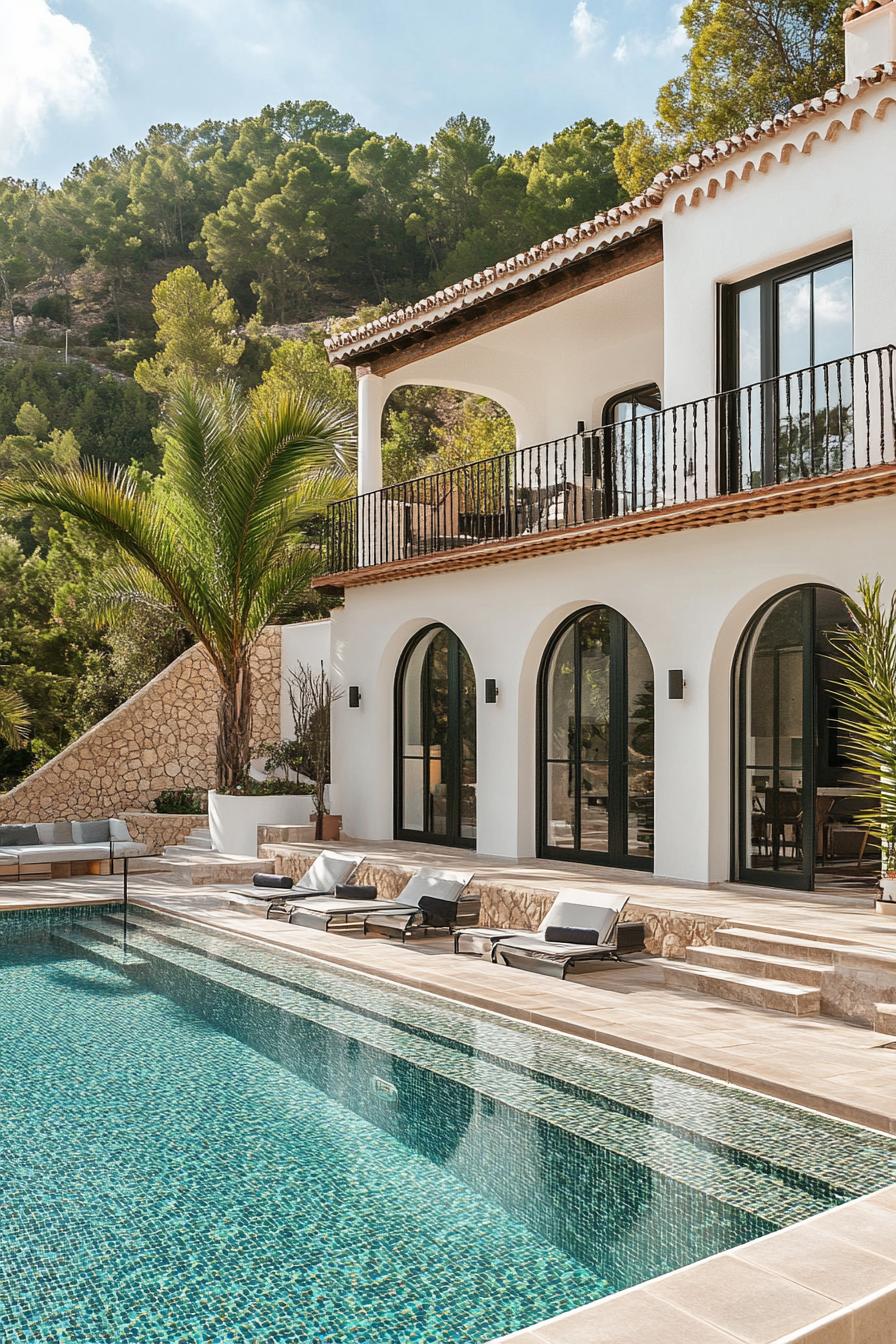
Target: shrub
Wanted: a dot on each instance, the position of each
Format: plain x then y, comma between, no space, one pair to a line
189,801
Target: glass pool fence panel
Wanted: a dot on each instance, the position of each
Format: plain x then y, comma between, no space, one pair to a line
818,421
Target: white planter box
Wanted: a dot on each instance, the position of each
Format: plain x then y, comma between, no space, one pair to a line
234,820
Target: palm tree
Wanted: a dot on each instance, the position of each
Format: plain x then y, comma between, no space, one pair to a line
220,540
13,718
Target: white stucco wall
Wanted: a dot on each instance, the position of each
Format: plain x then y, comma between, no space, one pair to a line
305,642
689,595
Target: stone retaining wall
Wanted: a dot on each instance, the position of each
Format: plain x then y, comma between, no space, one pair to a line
157,829
162,738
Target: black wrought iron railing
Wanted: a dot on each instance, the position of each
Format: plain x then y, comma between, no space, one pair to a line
818,421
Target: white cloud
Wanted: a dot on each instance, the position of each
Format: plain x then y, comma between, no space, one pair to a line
47,69
671,42
587,31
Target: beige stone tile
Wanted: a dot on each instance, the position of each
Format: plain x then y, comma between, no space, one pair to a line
839,1330
634,1317
875,1322
866,1223
749,1303
820,1260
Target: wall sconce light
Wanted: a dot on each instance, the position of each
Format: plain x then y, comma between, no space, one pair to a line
491,691
676,683
354,697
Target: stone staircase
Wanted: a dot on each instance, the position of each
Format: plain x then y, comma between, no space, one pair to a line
195,860
778,970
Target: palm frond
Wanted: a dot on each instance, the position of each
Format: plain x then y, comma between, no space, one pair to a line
14,718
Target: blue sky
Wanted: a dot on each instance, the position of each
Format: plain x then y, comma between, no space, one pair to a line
80,76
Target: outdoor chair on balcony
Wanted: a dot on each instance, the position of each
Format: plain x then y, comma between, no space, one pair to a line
572,932
431,884
328,871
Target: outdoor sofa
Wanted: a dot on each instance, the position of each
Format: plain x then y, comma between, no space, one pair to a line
328,871
573,932
432,894
67,848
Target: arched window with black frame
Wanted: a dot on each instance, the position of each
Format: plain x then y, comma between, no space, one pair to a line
595,742
799,800
435,741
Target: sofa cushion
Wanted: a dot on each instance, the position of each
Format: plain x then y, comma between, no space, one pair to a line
118,829
18,835
90,832
61,853
54,832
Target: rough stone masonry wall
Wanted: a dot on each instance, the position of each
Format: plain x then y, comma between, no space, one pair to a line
162,738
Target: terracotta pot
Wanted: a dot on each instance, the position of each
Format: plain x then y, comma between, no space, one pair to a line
331,826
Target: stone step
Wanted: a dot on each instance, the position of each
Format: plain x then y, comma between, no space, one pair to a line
759,964
779,945
757,991
189,846
200,833
204,866
885,1018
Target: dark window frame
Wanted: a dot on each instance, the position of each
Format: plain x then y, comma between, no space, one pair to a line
618,802
452,760
767,282
608,473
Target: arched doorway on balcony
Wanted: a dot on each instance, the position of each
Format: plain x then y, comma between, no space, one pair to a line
595,742
798,800
435,741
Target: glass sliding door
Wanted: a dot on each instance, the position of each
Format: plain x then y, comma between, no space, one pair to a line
596,743
435,757
632,448
787,350
798,797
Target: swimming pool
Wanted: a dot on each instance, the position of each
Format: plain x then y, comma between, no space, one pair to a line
211,1142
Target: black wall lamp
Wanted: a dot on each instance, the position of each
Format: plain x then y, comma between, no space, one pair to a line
491,691
354,697
676,683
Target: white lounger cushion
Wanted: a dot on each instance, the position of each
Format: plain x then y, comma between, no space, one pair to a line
600,914
328,871
8,858
436,882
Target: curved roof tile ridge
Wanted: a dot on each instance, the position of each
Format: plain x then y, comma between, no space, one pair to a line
478,285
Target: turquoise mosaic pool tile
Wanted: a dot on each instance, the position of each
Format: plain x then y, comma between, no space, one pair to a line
847,1158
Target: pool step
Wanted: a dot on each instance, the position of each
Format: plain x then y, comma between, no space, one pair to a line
101,947
757,991
757,964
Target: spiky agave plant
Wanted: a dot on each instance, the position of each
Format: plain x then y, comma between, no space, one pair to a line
866,650
13,718
221,540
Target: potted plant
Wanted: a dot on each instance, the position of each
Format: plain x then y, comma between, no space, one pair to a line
311,699
867,652
219,540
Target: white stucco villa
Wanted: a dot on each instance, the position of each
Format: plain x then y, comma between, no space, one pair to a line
613,644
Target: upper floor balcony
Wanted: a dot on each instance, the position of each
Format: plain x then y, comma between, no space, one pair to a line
820,435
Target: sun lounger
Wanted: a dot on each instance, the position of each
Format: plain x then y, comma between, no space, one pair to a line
438,902
328,871
434,883
572,933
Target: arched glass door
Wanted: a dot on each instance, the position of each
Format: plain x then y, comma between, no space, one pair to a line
798,799
596,743
435,720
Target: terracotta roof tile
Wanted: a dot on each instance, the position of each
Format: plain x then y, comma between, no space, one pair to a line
855,11
595,234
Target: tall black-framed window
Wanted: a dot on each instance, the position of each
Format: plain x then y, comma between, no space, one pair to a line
595,742
630,448
798,801
787,342
435,741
